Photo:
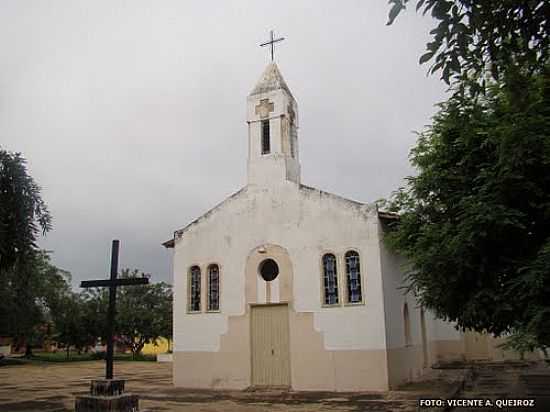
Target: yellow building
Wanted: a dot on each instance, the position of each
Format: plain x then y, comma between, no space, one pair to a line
162,346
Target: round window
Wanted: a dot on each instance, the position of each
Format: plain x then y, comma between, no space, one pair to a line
269,269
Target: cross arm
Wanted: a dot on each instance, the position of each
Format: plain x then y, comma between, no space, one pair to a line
272,41
118,282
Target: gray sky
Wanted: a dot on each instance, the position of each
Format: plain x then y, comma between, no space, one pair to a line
132,113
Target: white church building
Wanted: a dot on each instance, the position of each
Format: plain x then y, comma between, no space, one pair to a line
285,285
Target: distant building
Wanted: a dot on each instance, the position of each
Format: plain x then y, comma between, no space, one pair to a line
162,345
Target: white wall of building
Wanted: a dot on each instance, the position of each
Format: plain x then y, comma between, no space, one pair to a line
307,223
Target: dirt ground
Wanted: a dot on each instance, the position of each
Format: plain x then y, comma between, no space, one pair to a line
49,387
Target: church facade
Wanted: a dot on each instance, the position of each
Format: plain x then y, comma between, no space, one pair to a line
285,285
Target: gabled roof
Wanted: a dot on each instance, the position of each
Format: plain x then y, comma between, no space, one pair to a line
271,79
332,195
384,216
171,242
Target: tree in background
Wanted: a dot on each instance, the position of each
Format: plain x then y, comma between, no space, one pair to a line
144,312
473,36
475,221
74,323
36,289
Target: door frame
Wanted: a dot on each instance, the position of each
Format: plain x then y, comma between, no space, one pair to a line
252,385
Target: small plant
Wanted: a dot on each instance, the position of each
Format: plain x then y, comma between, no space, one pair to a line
522,342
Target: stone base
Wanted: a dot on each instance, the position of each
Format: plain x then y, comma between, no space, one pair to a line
107,395
119,403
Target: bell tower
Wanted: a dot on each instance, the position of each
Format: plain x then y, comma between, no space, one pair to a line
272,118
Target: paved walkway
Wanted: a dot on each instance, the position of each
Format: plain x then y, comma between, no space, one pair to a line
50,387
504,381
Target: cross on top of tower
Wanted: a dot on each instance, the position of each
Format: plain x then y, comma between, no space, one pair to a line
271,42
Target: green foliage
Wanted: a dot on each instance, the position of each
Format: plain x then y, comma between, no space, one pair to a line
140,357
27,278
144,312
30,290
475,221
522,342
473,37
74,323
90,356
23,213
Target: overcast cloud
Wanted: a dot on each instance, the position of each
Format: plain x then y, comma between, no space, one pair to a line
132,113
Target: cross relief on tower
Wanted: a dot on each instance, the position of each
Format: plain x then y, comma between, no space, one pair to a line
264,108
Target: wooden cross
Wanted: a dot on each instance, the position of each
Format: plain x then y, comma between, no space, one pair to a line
272,42
112,284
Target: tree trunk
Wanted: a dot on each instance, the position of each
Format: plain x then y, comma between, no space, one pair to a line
28,351
68,351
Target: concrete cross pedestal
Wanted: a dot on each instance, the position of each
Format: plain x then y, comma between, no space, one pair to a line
107,395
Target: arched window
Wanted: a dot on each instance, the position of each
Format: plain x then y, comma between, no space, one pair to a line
406,324
353,277
213,288
330,280
194,289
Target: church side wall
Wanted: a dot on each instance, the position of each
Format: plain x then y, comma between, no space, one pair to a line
332,348
446,342
405,356
410,357
407,360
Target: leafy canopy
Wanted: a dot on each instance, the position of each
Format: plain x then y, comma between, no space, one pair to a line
144,312
473,35
475,221
30,292
23,212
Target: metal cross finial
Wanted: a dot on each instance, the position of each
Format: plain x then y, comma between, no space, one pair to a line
272,42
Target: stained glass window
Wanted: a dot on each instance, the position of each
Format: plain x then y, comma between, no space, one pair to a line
195,289
330,280
213,288
353,277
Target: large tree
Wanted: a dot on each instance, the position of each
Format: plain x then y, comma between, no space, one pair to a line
23,212
475,221
472,37
28,280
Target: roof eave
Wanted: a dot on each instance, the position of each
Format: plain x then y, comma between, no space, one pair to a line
169,244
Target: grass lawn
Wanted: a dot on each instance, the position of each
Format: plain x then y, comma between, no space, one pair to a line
61,356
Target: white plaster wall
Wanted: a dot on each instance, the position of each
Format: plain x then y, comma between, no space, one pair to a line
393,277
307,223
275,167
442,330
395,298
